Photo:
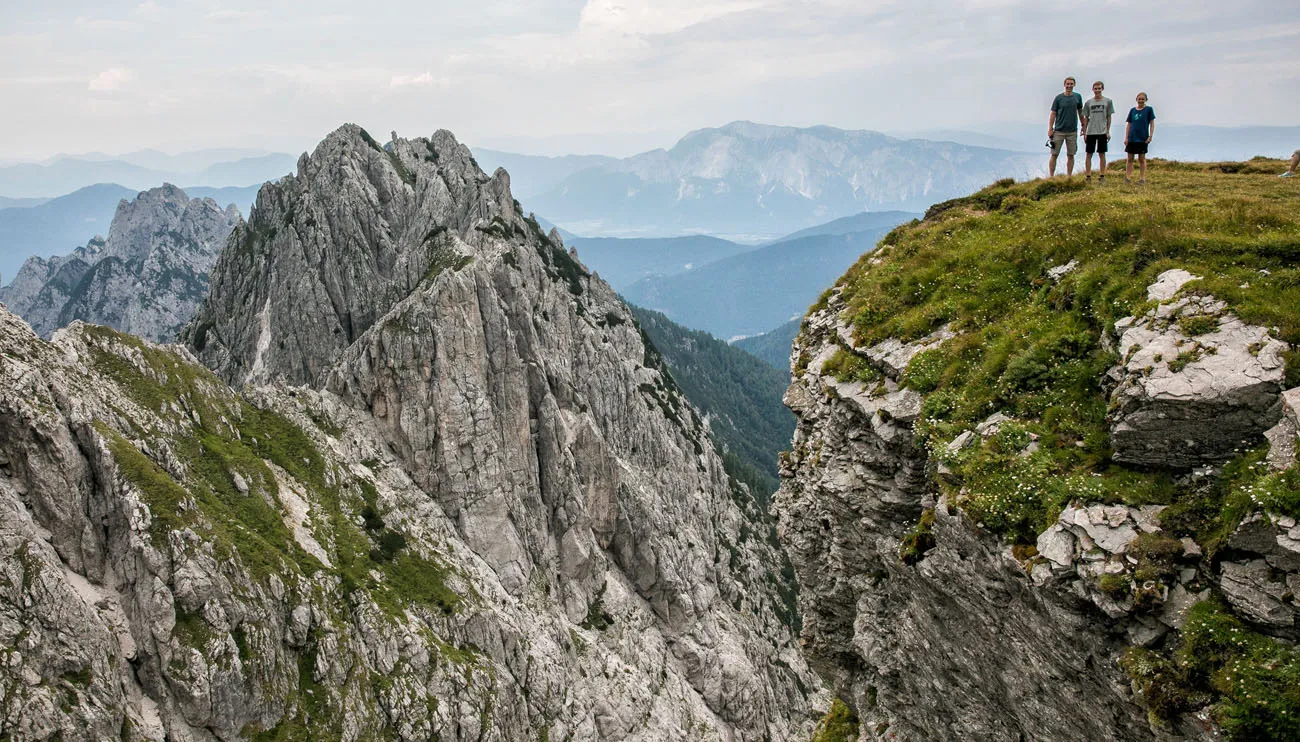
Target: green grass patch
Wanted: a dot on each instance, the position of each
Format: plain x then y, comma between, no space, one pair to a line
845,366
919,540
839,724
232,437
1030,346
1253,680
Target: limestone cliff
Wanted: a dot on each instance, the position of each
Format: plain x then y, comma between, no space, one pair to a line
146,278
1043,484
457,496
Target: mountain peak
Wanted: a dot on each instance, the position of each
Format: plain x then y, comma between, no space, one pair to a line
357,228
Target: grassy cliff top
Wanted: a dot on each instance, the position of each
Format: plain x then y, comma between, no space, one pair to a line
1031,347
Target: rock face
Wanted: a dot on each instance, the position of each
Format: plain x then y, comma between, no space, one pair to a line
1263,579
960,645
43,285
145,279
489,515
1196,381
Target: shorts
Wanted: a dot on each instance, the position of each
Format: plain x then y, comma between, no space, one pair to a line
1069,138
1096,143
1135,148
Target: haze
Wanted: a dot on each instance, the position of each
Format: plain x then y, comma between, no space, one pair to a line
612,76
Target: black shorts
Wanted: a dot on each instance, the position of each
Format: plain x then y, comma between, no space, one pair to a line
1136,148
1095,143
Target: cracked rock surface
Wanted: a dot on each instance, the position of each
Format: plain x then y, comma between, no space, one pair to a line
961,645
1196,382
456,496
146,278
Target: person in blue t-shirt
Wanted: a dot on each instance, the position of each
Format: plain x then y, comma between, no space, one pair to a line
1138,131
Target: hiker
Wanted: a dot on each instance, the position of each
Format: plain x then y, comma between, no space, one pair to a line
1063,127
1097,113
1138,131
1295,161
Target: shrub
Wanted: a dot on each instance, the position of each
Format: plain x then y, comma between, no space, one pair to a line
919,540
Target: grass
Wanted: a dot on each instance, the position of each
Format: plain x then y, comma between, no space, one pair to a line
1252,680
1031,347
839,724
215,434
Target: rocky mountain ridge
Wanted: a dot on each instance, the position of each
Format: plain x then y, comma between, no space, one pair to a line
1043,486
146,278
481,511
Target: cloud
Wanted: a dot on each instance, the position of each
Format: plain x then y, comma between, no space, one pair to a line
410,81
605,66
111,79
234,16
645,17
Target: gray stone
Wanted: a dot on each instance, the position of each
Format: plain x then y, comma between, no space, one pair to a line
486,397
892,355
1174,611
1057,545
992,424
1168,284
964,440
1250,589
1182,402
147,278
1061,271
881,632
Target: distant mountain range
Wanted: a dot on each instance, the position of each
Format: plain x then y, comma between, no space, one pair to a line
758,290
753,180
59,225
56,226
141,171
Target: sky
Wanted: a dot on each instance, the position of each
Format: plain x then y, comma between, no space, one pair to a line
612,76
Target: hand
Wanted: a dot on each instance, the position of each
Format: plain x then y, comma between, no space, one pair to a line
1148,140
1049,133
1108,136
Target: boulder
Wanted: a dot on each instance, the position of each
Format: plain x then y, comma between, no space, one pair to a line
1184,400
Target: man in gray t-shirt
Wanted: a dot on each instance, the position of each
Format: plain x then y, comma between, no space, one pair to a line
1063,127
1097,112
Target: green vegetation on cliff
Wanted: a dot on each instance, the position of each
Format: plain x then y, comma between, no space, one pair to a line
839,724
1031,347
225,485
1255,678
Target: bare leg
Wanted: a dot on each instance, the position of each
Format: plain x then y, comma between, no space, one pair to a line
1051,166
1142,168
1087,165
1295,162
1069,165
1102,165
1128,167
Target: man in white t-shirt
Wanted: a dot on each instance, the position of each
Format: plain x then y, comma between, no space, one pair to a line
1097,112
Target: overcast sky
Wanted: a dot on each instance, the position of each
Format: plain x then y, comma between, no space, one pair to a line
612,76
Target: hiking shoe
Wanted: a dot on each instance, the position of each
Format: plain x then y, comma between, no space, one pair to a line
1142,181
1287,174
1101,179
